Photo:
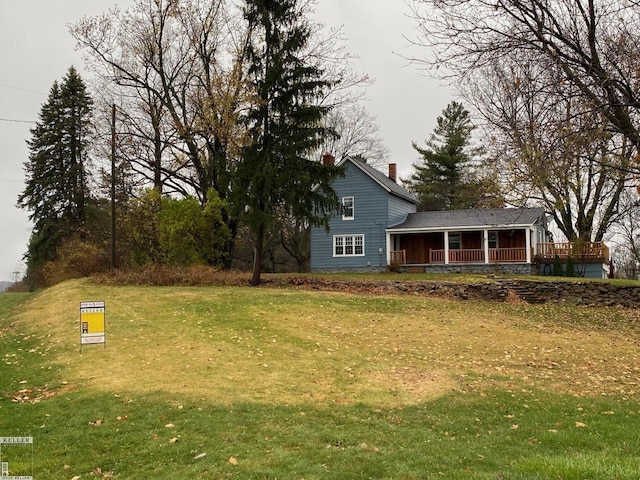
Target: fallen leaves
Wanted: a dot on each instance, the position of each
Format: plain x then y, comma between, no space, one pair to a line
35,395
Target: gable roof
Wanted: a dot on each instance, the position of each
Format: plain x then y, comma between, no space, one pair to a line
472,218
381,179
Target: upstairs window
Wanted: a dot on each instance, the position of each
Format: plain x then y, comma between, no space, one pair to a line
347,208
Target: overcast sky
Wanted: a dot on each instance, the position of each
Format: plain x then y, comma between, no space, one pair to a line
36,49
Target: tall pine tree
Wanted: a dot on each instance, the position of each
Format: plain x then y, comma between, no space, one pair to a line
56,190
447,178
285,125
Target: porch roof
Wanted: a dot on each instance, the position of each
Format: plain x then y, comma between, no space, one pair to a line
471,219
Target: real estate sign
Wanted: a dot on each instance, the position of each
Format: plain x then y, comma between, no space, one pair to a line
92,324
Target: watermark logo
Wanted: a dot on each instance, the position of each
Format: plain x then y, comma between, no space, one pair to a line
19,459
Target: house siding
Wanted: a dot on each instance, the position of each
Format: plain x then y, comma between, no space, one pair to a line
399,209
373,209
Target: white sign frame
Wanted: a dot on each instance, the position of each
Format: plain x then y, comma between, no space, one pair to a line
88,334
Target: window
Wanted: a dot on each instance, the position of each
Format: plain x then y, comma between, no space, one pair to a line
455,242
348,245
347,208
493,239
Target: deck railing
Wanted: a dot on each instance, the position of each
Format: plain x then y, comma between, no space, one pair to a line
586,251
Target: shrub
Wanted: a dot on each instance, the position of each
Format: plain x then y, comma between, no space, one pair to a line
172,275
569,268
176,231
75,259
557,266
394,267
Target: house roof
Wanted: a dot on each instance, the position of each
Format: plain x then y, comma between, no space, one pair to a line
471,218
381,179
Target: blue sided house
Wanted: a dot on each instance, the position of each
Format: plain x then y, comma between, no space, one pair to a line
371,201
378,227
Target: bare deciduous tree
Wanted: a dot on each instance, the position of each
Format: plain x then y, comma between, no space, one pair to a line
358,135
552,148
591,44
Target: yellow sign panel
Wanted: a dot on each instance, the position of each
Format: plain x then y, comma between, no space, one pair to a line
92,325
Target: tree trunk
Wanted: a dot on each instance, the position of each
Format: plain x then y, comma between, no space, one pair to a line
257,257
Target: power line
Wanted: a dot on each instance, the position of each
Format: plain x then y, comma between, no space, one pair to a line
16,121
21,89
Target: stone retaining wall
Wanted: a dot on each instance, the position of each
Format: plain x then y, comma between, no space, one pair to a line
577,293
532,291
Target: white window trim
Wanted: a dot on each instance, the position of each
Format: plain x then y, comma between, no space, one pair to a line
353,209
353,243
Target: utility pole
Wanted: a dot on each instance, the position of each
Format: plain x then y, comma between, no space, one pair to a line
112,253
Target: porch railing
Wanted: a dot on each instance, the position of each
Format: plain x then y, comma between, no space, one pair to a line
583,251
398,257
508,254
477,255
466,255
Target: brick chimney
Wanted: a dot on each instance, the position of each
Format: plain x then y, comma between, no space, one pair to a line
328,159
393,175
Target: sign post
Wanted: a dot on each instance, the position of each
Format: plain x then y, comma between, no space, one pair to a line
92,324
5,465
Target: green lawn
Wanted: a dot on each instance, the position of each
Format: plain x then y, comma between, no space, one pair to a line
233,382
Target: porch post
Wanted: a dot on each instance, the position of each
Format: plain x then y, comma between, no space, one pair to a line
446,247
528,244
485,240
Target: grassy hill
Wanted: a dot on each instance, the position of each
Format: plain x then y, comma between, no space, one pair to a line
233,382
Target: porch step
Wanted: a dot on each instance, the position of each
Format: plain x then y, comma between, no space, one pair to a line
523,292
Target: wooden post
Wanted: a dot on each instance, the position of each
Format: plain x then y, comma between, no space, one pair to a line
112,252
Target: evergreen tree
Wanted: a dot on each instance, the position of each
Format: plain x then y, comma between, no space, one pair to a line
447,178
56,190
285,125
557,267
570,270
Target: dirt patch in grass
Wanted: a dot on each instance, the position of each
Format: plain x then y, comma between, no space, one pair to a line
413,385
